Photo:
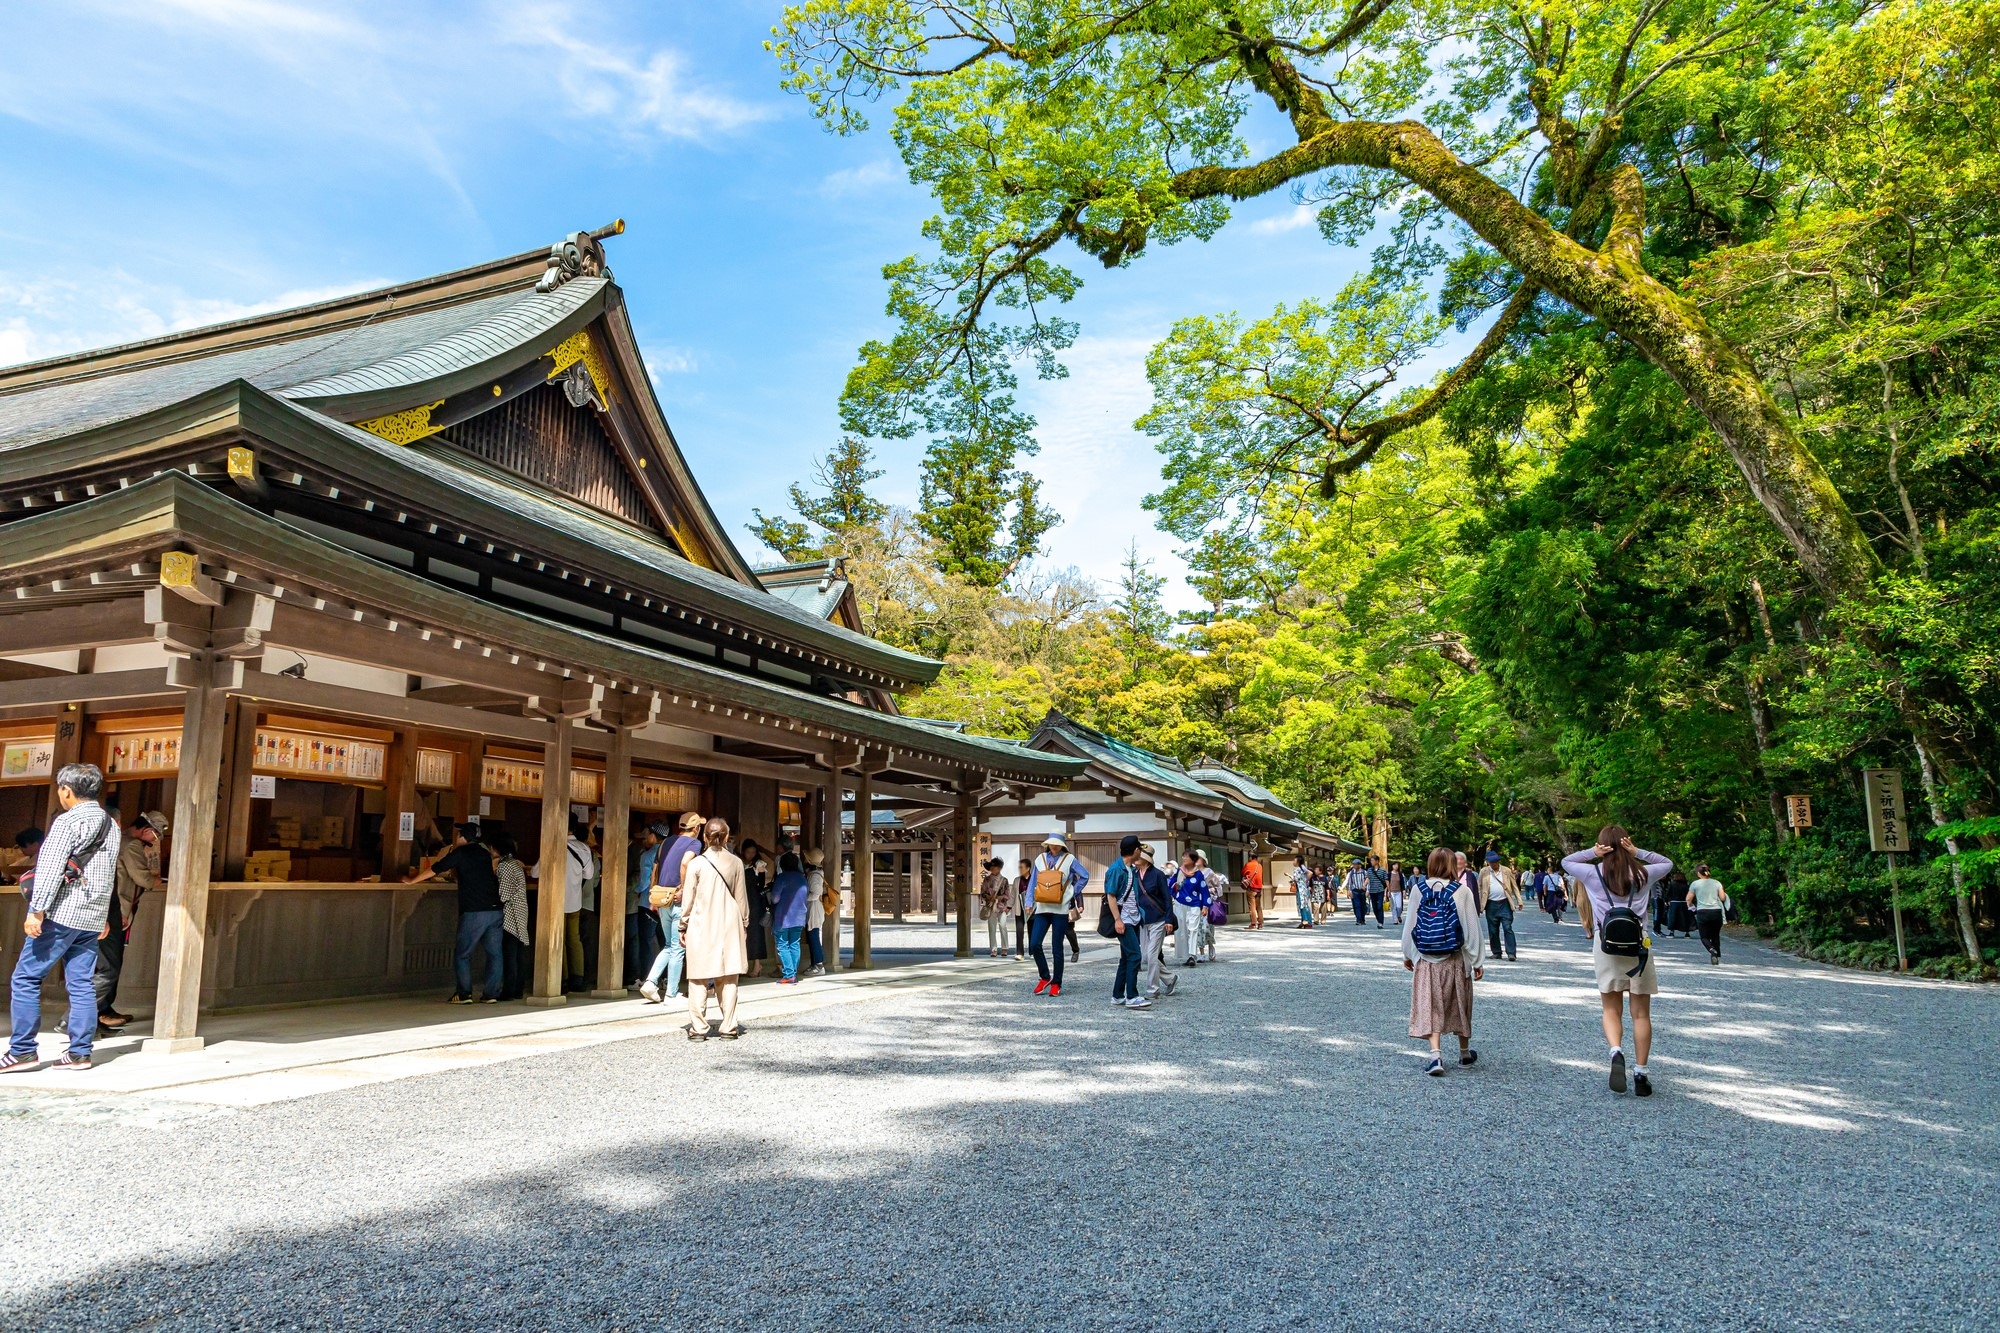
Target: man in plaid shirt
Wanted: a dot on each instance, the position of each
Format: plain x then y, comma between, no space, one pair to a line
66,920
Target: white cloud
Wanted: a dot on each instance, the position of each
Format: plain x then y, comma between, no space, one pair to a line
863,179
56,316
655,92
666,359
1297,219
1095,468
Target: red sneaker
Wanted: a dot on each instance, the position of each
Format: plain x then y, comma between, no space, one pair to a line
1054,991
1042,986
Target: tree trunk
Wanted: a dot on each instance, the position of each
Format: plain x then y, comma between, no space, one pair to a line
1968,929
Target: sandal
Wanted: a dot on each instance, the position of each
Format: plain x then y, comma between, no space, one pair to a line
729,1034
697,1036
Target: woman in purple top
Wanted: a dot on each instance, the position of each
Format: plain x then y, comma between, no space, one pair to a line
1616,875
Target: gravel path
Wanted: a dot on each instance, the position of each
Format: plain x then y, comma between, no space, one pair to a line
1258,1152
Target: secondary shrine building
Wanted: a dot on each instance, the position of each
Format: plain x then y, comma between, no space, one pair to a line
313,581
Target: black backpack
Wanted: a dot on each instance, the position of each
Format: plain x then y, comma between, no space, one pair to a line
1622,934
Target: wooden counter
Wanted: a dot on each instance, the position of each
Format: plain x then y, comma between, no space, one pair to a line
288,942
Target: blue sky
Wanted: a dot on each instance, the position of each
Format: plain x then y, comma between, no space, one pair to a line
169,163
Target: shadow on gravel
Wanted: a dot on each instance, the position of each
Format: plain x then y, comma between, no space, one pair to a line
1256,1152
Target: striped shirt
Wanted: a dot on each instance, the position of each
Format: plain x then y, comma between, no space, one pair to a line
88,904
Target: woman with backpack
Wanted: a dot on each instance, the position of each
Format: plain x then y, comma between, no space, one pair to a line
1442,946
1616,879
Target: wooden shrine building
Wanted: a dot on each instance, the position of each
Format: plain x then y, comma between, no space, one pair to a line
313,580
1127,789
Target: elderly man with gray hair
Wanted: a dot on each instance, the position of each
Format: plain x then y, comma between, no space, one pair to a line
68,909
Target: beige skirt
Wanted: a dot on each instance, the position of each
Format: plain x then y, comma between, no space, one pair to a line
1441,999
1611,970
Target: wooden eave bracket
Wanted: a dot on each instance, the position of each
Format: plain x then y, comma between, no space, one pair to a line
572,699
628,710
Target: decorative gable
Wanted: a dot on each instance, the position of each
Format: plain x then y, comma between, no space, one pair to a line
542,437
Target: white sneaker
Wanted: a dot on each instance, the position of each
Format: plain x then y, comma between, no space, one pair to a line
1138,1002
649,992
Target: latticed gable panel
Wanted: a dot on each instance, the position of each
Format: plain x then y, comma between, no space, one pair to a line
540,437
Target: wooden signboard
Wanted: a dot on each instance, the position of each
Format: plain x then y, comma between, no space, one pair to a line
437,768
305,754
153,752
1798,809
28,759
665,796
586,787
510,777
1888,831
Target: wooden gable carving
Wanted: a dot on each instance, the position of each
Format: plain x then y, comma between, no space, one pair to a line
542,437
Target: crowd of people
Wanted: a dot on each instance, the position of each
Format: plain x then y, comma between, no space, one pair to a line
703,912
1143,907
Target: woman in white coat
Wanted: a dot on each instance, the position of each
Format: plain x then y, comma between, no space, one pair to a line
1442,945
715,920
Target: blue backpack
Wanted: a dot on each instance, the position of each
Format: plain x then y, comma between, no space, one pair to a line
1436,927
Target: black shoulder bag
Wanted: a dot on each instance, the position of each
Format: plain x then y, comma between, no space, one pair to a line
72,871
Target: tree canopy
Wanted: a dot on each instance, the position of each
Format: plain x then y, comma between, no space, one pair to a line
1705,516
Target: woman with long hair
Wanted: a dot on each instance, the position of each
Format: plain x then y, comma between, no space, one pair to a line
1441,945
714,921
1616,879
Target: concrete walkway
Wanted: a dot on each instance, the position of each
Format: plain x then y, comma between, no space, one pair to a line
1260,1151
259,1056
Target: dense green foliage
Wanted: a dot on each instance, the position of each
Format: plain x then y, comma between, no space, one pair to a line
1553,588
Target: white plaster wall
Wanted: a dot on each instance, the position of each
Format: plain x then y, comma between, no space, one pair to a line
131,657
62,661
1117,823
331,671
1032,825
681,736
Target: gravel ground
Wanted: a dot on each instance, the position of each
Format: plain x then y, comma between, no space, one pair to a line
1260,1151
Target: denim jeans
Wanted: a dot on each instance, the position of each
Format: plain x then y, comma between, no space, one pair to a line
1125,981
673,959
1046,924
75,952
474,929
1305,909
788,950
1499,921
813,947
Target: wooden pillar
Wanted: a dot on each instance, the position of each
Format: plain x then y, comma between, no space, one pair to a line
399,796
901,862
611,882
829,843
864,866
546,985
937,882
184,931
475,775
962,818
68,750
235,794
